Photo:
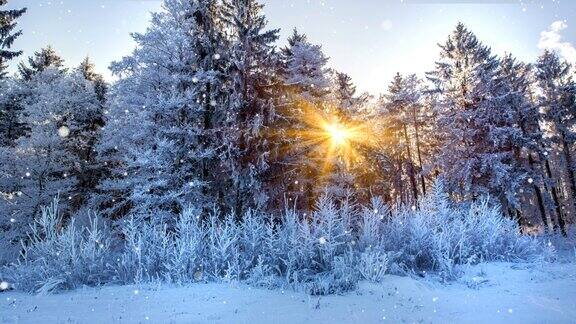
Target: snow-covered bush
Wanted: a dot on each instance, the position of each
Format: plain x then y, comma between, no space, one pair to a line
144,253
325,252
57,257
439,236
316,251
185,257
373,265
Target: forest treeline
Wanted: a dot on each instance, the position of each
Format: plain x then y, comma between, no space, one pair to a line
209,113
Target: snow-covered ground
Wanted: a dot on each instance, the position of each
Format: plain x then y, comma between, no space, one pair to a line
489,293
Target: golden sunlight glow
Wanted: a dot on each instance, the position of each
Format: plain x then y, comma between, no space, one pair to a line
339,134
329,138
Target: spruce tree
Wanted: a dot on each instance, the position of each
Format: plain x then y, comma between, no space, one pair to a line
12,124
45,58
471,117
11,94
88,122
557,100
252,88
167,135
88,70
305,85
45,163
400,108
522,133
8,35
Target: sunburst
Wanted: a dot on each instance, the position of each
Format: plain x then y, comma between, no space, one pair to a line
330,137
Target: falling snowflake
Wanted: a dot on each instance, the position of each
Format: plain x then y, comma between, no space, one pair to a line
322,240
4,285
63,131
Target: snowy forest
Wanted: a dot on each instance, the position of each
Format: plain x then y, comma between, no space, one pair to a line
219,155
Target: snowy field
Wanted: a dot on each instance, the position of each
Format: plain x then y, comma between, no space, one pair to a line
488,293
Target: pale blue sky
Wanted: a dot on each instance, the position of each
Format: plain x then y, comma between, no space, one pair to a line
368,39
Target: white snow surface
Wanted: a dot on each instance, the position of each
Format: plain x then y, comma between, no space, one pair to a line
487,293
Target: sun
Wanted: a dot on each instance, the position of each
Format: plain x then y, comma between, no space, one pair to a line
338,133
329,136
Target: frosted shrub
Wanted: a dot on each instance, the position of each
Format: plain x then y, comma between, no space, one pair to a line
223,238
145,252
439,237
325,252
373,265
185,258
59,258
316,251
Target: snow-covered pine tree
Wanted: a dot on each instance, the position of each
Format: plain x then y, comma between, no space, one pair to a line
400,110
557,99
344,179
11,126
43,163
345,96
166,137
88,70
304,70
253,58
470,118
88,121
523,135
305,85
8,35
45,58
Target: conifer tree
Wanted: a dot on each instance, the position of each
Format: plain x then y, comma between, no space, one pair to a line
166,139
400,110
523,135
12,124
558,100
88,70
87,133
304,88
44,163
45,58
252,87
8,35
471,118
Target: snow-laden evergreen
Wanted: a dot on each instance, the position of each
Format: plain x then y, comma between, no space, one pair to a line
48,159
187,113
8,35
471,121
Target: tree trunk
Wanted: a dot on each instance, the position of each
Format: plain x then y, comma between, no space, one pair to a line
411,166
558,207
570,172
539,198
420,165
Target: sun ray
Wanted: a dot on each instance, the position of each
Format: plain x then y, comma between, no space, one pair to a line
330,138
